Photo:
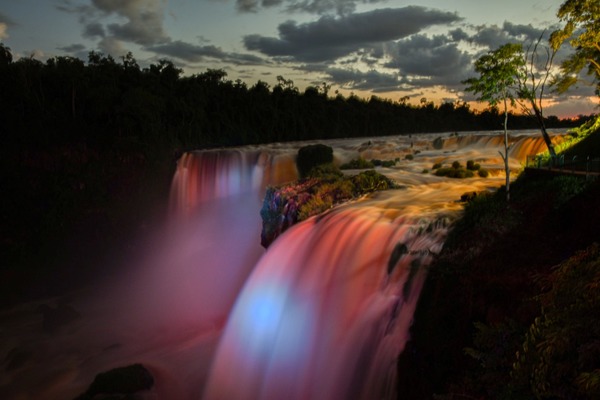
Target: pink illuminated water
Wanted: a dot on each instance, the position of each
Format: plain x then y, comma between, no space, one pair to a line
323,314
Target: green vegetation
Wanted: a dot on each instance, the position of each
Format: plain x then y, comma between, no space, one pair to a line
361,163
570,147
473,166
499,72
483,173
358,163
581,31
458,171
312,156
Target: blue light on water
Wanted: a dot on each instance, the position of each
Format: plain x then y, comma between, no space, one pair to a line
273,322
264,310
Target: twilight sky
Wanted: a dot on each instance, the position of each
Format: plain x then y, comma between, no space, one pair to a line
390,48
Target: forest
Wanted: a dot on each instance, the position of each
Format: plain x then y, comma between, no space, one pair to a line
104,103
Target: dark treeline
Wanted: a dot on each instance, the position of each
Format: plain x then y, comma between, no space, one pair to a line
105,103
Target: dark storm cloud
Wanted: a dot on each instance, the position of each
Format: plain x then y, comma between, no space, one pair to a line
375,81
94,30
74,48
5,19
196,53
341,7
255,5
431,61
187,51
458,35
494,36
330,38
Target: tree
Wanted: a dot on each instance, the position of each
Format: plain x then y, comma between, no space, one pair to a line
582,31
532,80
497,83
5,55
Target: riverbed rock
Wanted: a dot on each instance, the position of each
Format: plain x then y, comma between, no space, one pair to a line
119,383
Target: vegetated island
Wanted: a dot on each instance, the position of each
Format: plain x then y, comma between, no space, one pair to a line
320,186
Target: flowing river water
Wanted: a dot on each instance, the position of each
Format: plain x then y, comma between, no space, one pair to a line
322,314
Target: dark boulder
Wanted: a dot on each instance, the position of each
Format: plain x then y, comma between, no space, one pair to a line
119,383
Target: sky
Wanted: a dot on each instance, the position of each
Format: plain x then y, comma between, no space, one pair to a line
390,49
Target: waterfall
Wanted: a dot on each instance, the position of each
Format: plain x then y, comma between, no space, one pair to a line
327,310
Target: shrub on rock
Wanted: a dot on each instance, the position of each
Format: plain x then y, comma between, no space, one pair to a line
358,163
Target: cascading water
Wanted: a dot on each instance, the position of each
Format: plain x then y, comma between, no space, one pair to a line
326,310
322,314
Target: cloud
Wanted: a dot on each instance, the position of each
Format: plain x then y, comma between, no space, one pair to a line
431,61
341,7
3,30
330,38
74,48
255,5
197,53
112,46
372,80
144,23
94,29
494,36
573,107
5,23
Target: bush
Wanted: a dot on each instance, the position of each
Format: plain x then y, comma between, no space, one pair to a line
437,166
315,205
425,171
472,165
359,163
456,165
409,157
369,181
382,163
311,156
326,172
453,172
483,173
